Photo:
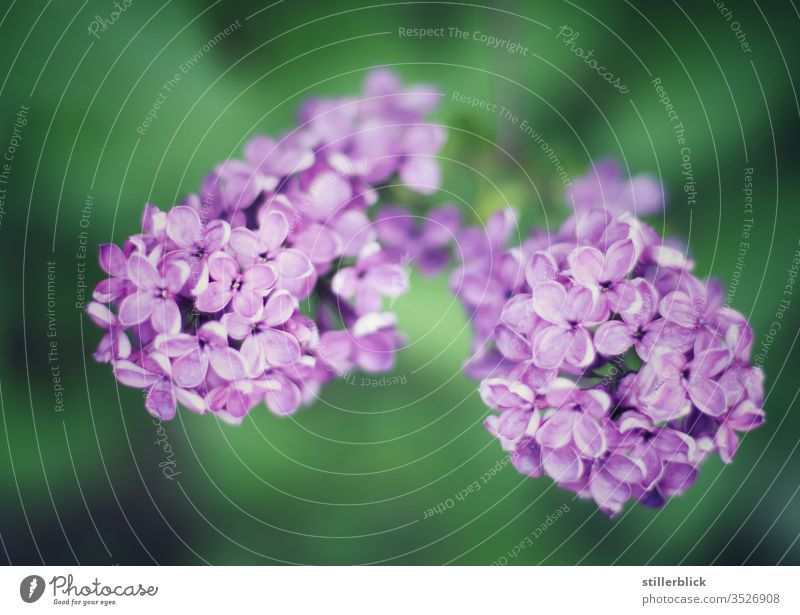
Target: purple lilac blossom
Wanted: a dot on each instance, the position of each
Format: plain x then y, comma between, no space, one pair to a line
613,369
422,241
203,307
605,187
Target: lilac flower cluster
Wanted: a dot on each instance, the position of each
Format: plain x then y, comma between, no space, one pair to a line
203,307
614,369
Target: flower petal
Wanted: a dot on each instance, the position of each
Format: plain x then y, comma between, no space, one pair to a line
132,375
247,304
512,424
166,317
328,193
677,478
580,306
176,272
214,298
190,370
240,399
562,464
216,235
191,400
677,307
707,395
260,279
711,362
727,442
746,416
244,242
541,268
580,350
285,400
422,174
279,308
228,363
589,437
113,260
101,315
613,338
526,458
222,267
503,394
620,259
609,493
345,282
136,308
293,265
160,401
625,469
648,296
184,226
389,280
319,243
279,347
142,273
550,346
273,230
109,289
556,430
587,265
549,301
513,345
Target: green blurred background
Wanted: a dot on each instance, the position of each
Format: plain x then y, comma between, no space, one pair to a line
350,479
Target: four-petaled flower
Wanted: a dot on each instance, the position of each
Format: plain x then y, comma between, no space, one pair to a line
155,297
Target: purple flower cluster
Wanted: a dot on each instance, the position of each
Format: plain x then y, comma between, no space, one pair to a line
203,307
614,369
